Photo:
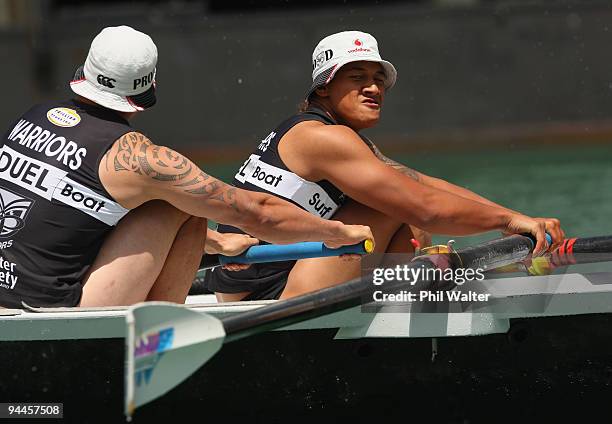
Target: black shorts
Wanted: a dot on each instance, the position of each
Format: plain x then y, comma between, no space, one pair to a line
264,281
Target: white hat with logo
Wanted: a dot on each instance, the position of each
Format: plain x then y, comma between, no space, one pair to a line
336,50
119,72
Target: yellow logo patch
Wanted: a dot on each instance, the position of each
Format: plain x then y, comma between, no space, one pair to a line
63,117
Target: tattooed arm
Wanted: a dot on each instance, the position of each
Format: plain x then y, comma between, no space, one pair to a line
552,224
135,171
415,175
431,181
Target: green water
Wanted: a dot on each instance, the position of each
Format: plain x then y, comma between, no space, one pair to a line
570,183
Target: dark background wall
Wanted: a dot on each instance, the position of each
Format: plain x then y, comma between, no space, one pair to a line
228,72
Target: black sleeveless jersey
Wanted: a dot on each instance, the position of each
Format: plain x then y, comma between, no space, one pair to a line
55,212
265,171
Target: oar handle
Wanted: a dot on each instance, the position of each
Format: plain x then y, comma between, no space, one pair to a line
286,252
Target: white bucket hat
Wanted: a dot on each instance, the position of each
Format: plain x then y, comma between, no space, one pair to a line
119,72
336,50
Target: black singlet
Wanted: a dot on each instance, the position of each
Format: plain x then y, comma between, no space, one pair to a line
264,171
55,212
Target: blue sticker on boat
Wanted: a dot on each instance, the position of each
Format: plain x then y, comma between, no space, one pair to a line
148,351
159,342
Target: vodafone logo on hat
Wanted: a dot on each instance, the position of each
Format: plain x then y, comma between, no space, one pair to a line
360,48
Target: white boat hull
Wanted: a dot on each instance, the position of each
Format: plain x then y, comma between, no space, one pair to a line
516,297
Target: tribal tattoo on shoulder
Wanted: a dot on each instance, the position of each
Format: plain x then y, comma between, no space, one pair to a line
396,165
136,153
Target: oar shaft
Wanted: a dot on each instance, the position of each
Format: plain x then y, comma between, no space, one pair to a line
496,253
583,251
602,244
346,295
285,252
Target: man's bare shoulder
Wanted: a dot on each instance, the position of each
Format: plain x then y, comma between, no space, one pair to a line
133,138
136,137
318,137
135,152
124,149
135,170
311,149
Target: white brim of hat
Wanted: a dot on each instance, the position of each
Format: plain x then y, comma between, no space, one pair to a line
326,76
109,100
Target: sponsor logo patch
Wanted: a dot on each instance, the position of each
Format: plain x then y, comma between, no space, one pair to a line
63,117
272,179
147,352
265,143
14,209
106,81
321,58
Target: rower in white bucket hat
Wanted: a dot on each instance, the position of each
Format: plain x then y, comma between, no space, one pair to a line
104,216
319,159
336,50
119,72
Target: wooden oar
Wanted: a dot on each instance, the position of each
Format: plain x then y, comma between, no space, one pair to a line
167,342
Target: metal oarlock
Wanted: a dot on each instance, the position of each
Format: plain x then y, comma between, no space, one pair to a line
440,249
449,246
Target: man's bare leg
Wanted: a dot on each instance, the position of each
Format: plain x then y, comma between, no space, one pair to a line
134,255
231,297
313,274
176,277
